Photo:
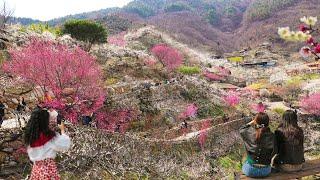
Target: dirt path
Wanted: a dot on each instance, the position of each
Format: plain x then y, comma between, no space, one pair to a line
192,135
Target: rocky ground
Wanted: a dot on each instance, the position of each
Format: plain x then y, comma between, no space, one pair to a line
155,145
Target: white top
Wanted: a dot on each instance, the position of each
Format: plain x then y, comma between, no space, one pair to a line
59,143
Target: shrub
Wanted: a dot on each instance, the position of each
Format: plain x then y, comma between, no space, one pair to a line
41,28
148,41
111,81
116,24
212,16
208,110
290,92
139,8
191,94
236,59
86,31
279,110
261,9
175,7
189,70
230,11
257,86
297,80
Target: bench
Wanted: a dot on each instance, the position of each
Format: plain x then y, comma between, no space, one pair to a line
310,168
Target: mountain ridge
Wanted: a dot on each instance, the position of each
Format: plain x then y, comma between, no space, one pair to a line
216,25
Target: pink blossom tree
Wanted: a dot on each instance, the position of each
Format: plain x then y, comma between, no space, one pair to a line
258,108
311,104
224,72
212,77
72,75
204,133
169,57
190,111
117,120
232,99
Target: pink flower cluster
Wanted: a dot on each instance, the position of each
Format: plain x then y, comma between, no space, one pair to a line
313,47
260,107
190,111
170,58
232,99
212,77
116,120
311,104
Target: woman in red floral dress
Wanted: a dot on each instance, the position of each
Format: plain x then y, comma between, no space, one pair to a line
43,144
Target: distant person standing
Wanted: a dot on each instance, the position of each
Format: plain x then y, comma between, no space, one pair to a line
87,119
2,113
20,109
22,105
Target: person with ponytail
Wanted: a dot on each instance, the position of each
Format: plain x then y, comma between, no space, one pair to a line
43,144
289,141
259,144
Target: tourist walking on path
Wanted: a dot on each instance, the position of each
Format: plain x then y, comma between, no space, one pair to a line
21,108
43,145
289,143
259,144
2,112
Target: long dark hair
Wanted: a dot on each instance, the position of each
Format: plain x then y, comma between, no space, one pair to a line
261,125
38,123
289,126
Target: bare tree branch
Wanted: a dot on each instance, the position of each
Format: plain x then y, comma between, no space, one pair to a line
5,14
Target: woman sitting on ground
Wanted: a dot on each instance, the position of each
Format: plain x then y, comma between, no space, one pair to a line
289,142
259,144
43,144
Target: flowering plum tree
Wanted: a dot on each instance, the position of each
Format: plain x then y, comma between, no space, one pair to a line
117,120
304,34
311,104
190,111
222,71
212,76
260,107
72,75
169,57
203,134
232,99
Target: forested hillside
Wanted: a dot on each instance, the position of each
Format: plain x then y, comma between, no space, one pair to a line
209,24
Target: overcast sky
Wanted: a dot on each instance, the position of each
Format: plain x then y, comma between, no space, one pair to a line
49,9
